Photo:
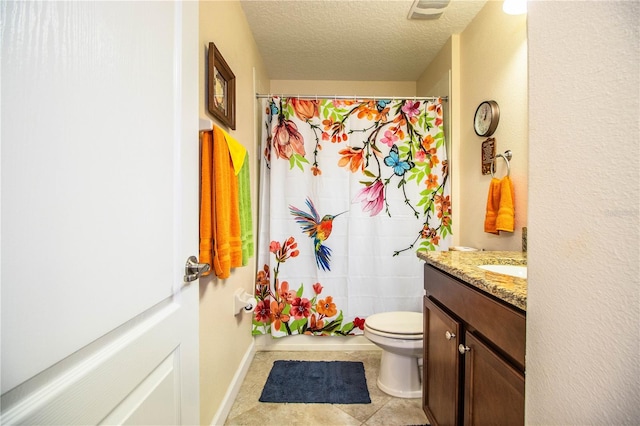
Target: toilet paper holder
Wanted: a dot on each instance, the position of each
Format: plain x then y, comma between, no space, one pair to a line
243,302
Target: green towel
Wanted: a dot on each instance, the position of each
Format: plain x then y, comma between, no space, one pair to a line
246,222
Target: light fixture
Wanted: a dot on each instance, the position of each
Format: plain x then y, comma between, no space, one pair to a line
514,7
427,9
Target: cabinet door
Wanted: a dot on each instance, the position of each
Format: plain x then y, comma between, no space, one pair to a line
441,389
494,390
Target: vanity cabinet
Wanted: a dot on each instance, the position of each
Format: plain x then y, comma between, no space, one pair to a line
473,355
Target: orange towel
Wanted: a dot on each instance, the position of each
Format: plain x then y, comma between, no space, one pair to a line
206,192
506,211
227,250
493,204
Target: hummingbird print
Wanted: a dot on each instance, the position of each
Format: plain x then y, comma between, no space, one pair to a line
316,228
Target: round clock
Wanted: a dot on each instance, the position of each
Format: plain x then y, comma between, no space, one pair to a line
486,119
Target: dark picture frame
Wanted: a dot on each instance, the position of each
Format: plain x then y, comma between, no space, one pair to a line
222,88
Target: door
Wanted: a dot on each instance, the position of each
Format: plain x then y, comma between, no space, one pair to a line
494,390
99,157
441,390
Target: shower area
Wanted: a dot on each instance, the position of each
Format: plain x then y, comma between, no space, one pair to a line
351,187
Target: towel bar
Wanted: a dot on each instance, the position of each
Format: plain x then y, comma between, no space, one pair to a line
506,156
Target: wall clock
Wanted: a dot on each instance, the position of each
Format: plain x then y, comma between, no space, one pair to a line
486,118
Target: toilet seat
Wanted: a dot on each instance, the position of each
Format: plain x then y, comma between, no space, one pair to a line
396,325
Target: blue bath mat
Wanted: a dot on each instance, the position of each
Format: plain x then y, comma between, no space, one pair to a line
316,382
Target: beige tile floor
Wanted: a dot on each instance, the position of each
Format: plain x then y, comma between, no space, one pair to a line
383,410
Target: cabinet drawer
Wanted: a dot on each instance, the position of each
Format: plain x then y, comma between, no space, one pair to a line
501,325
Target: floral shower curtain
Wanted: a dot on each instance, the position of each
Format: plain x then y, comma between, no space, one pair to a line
350,190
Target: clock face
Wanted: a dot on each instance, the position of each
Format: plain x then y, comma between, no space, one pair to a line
486,118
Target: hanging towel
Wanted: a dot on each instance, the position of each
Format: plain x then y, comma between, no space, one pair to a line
246,222
228,244
241,169
238,154
505,220
236,151
206,192
493,204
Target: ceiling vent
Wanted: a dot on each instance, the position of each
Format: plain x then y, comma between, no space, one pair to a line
427,9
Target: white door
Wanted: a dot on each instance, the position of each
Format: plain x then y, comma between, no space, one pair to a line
99,155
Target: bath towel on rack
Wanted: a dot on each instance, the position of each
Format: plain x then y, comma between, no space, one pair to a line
206,199
228,244
493,205
500,214
237,152
506,211
240,162
220,225
246,221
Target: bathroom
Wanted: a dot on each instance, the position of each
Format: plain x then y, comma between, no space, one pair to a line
493,69
572,276
480,48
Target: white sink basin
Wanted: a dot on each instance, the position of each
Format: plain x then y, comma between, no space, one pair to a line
513,270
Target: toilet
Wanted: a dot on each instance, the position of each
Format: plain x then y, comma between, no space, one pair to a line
399,335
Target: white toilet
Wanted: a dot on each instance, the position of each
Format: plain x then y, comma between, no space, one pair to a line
399,334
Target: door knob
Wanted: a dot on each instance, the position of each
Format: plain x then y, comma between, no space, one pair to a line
449,335
193,269
463,349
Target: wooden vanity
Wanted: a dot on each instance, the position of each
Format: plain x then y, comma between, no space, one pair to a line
474,339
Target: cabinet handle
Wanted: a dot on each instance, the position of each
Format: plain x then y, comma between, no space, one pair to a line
449,335
463,349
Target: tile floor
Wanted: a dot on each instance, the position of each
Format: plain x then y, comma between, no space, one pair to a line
383,410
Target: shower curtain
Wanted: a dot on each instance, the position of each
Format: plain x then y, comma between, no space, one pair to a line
349,192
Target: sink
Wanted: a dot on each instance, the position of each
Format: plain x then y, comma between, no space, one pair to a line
513,270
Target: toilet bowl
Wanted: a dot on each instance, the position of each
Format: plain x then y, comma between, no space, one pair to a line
399,335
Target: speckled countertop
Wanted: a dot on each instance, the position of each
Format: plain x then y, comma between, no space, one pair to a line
464,265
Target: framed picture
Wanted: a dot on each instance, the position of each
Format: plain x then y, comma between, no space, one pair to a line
222,88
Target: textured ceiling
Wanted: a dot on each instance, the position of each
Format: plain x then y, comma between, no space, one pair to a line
351,40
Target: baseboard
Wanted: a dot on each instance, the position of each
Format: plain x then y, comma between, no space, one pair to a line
232,392
314,343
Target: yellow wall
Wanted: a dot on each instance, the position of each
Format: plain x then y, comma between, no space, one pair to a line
493,65
224,338
488,60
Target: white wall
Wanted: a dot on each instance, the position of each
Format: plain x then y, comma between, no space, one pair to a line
583,305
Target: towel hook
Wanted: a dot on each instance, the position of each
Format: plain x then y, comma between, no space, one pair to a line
506,156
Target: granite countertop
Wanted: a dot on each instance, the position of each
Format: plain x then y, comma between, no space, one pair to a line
464,265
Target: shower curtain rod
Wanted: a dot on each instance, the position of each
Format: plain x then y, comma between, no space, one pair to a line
351,98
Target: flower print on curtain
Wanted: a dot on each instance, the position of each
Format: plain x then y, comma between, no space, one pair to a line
350,190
